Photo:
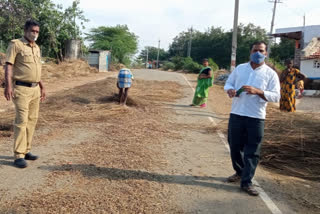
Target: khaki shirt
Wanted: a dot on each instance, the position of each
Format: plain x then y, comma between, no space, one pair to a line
25,59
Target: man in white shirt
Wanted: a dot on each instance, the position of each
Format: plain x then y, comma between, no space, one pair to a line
251,85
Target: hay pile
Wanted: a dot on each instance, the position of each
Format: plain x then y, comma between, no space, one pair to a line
106,173
116,66
66,69
292,144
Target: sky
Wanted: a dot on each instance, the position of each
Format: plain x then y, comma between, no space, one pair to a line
154,20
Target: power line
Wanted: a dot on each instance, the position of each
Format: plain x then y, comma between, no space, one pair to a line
234,36
274,12
296,12
190,43
147,58
158,55
272,23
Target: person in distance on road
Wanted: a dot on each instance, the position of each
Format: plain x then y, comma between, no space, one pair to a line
124,83
288,78
251,85
205,81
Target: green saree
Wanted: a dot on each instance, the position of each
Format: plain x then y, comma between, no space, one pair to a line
202,89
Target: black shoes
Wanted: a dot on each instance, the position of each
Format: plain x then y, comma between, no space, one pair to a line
250,190
30,156
20,163
234,178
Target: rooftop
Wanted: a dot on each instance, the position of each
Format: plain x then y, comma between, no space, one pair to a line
312,51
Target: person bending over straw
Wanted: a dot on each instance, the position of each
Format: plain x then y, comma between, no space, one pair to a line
124,83
205,81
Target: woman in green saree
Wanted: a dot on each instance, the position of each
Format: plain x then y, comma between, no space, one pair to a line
205,81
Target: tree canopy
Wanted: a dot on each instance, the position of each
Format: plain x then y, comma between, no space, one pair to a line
153,53
56,25
216,44
284,50
118,39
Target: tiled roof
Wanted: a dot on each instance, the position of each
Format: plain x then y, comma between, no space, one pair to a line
315,55
312,51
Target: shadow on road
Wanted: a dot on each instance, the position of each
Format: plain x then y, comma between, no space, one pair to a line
6,160
126,174
200,112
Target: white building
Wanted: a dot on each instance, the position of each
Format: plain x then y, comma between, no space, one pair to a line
310,60
306,53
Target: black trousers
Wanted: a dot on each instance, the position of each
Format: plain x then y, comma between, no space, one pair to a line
245,136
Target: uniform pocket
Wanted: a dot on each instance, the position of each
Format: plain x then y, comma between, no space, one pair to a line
22,90
27,56
18,91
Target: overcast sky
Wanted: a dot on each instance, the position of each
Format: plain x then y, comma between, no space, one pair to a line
152,20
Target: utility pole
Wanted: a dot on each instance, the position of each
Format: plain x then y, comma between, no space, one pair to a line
158,55
147,57
234,36
190,43
304,20
272,24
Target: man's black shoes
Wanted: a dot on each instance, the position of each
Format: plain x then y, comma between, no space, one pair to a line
30,156
20,163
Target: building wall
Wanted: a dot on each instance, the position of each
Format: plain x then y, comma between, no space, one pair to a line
311,32
93,59
104,61
101,60
308,68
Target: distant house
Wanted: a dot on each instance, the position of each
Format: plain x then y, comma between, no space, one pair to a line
306,48
310,60
101,59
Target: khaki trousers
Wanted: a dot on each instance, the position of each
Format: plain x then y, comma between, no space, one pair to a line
26,101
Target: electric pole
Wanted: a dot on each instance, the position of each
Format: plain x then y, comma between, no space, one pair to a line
272,24
158,55
190,43
234,36
147,58
304,20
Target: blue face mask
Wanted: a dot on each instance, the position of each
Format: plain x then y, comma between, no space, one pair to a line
257,57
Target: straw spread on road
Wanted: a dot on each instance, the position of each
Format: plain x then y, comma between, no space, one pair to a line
122,146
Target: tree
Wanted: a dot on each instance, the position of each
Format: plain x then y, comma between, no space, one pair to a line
215,43
118,39
246,36
153,53
284,50
56,25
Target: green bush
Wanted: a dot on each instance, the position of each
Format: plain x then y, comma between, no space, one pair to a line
213,65
185,64
178,62
168,66
190,65
277,66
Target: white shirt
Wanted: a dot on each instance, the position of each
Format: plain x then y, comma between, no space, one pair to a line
263,78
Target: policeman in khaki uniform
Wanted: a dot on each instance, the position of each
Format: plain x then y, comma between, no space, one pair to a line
25,89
